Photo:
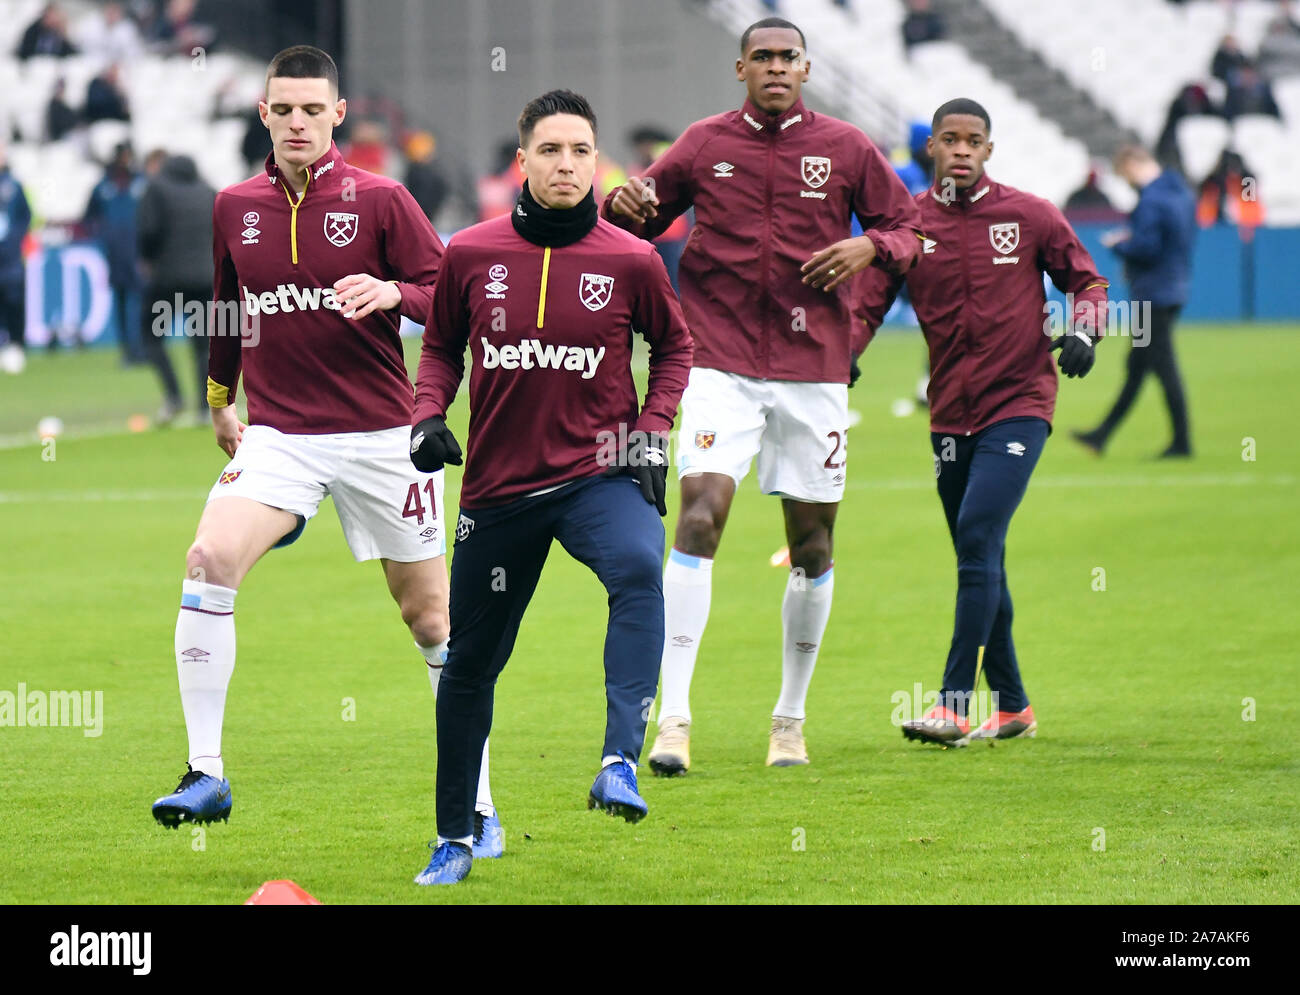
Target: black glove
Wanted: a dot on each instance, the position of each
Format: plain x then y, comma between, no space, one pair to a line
854,372
1078,353
645,457
432,445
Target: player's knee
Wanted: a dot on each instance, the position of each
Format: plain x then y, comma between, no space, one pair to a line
429,625
698,530
207,563
812,554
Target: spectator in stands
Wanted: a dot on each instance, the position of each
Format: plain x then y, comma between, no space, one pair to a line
368,148
175,227
922,24
1089,204
176,32
60,118
1249,93
1157,255
110,35
47,35
1192,100
499,189
1279,52
106,98
1228,58
15,220
110,219
424,176
1230,194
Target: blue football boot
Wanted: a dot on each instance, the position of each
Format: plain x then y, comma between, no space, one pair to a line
614,791
199,798
489,837
450,864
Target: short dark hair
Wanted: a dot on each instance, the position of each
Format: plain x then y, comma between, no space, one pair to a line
304,62
961,105
553,102
770,22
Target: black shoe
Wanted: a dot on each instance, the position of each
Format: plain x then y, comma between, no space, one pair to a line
1090,440
1176,452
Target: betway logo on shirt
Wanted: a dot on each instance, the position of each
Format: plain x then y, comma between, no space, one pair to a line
532,353
289,297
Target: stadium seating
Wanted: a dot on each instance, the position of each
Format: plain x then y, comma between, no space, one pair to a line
171,99
891,87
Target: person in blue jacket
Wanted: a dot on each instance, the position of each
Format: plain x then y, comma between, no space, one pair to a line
15,220
1157,253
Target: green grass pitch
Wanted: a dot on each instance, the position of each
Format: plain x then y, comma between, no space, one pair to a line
1167,702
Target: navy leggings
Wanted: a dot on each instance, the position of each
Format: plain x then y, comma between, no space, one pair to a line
981,480
603,522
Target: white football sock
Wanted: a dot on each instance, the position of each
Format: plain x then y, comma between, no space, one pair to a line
205,659
616,759
434,658
804,611
688,587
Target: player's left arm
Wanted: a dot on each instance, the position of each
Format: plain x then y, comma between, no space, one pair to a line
658,315
891,225
412,252
1064,259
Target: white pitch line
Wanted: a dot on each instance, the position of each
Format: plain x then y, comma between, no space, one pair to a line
40,497
1091,483
1195,480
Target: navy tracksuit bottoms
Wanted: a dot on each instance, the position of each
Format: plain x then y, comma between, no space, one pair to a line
981,480
603,522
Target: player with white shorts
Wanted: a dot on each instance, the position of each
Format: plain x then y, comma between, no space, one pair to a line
765,287
798,431
318,261
387,508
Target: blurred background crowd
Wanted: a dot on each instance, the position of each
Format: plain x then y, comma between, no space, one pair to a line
120,120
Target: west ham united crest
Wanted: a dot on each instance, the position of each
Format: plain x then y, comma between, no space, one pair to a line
340,228
595,290
1005,237
704,440
230,476
816,170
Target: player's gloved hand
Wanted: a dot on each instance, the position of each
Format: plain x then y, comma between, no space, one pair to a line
432,445
645,457
1078,353
854,372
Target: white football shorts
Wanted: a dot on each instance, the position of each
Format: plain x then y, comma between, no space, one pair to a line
799,431
387,507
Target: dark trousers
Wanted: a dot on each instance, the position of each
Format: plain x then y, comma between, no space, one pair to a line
13,310
1157,356
124,297
194,327
603,522
981,480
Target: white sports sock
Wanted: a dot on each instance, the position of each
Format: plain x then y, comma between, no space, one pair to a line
616,759
804,611
688,587
205,659
434,658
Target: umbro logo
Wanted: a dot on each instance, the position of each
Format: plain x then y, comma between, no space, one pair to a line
194,653
723,170
683,640
928,246
1015,449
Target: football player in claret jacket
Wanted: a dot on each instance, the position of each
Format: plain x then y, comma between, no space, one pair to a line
318,260
765,281
978,293
545,300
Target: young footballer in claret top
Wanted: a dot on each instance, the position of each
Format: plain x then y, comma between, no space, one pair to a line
320,259
546,299
765,285
978,293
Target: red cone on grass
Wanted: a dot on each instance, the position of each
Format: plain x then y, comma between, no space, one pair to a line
280,893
